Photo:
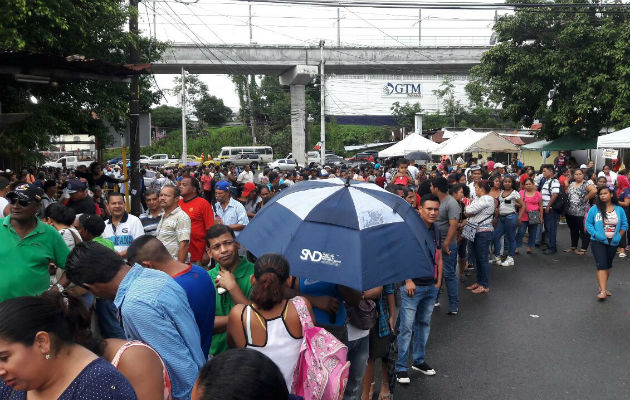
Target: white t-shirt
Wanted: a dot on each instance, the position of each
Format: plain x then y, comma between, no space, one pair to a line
413,170
3,203
128,229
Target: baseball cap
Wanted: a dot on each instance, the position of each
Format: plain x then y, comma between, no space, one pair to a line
75,185
248,188
222,185
323,172
401,180
583,166
26,191
499,165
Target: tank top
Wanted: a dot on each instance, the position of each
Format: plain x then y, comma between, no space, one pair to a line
280,346
167,379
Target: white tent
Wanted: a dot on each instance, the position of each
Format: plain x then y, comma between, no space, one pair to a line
471,141
615,140
413,142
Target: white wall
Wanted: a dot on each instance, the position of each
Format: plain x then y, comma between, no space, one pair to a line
368,94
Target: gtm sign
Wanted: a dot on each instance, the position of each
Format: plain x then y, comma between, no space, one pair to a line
402,89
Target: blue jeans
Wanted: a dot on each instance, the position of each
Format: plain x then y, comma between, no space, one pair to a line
108,323
550,220
358,353
450,278
481,246
414,317
533,231
506,226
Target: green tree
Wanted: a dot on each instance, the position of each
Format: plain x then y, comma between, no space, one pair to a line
210,110
446,93
196,89
405,114
166,117
92,28
568,67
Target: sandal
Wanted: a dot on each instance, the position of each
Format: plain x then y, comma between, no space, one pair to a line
384,396
570,249
529,250
622,255
481,289
601,295
580,252
608,293
473,286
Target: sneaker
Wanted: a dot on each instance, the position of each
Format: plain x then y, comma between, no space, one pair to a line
494,260
452,312
424,368
509,262
402,377
437,304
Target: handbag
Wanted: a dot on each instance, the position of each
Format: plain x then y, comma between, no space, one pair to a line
470,229
534,217
364,315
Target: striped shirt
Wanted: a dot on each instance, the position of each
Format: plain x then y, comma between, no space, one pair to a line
173,229
548,189
150,223
154,309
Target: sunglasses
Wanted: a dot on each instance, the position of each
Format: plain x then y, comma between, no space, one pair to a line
21,202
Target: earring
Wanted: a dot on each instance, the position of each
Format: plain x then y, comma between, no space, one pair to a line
48,356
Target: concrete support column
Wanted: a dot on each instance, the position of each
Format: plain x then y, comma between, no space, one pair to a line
298,136
297,78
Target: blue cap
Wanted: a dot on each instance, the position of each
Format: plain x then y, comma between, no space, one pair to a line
377,166
222,185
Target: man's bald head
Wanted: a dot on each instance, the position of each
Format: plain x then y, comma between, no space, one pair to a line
147,248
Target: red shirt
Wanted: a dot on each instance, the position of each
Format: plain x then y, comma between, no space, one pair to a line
206,182
201,219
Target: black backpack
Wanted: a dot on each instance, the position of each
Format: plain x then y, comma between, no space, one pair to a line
561,204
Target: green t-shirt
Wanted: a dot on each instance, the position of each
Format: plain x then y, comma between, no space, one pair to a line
105,242
24,265
242,273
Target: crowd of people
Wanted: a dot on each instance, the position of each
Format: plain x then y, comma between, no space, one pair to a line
98,303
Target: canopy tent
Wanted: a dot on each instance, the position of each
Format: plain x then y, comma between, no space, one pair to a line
536,146
567,143
470,141
615,140
412,143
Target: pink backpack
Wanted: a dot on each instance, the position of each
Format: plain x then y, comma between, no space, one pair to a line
322,368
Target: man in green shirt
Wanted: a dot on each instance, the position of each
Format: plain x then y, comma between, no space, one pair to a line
91,227
28,246
232,277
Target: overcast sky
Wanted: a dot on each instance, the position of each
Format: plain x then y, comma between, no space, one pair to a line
226,22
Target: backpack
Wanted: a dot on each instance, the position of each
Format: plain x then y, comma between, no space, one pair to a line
562,201
322,369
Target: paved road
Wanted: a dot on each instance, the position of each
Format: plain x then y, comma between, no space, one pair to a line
578,348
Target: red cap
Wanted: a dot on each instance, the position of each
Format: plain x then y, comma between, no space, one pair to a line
248,188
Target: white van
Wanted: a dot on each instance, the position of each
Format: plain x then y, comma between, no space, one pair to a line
231,153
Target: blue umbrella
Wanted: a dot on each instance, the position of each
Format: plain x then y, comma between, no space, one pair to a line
350,233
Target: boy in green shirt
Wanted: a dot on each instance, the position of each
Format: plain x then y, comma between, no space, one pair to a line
232,277
91,227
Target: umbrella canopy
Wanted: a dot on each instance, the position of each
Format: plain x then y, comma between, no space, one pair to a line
538,145
354,234
418,155
616,140
413,142
469,141
563,143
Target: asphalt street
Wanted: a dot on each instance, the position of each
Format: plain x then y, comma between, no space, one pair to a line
540,333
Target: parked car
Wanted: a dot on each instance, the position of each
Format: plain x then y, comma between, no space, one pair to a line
68,162
157,160
283,164
240,160
334,160
362,157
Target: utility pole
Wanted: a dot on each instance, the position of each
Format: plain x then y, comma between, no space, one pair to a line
134,111
322,87
252,119
419,26
184,139
250,24
154,22
338,28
